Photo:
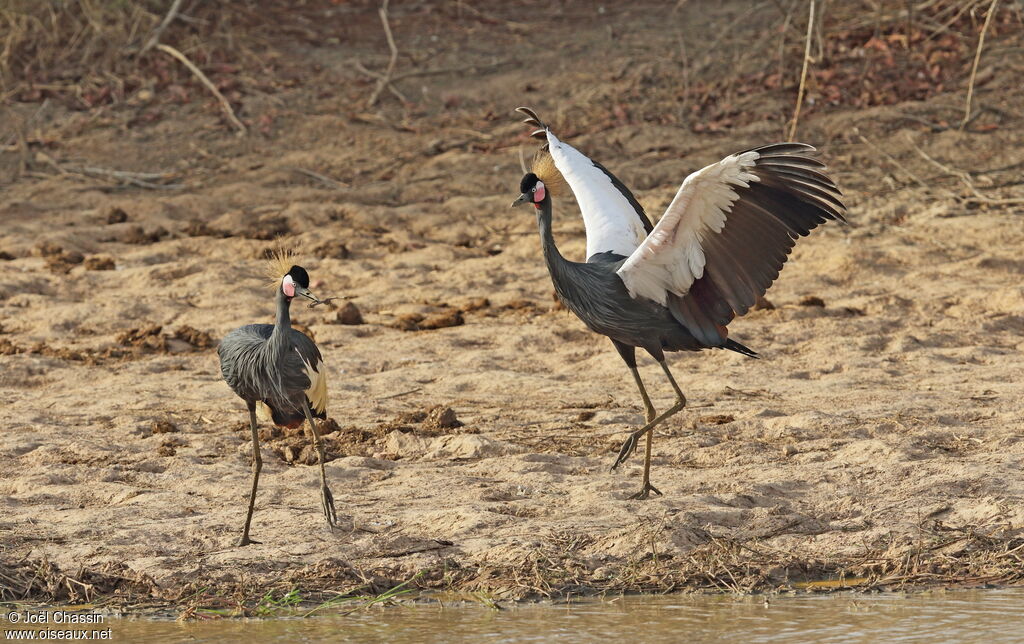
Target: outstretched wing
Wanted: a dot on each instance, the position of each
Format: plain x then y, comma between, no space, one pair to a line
725,236
614,220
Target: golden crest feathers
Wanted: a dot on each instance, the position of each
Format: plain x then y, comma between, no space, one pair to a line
279,262
544,167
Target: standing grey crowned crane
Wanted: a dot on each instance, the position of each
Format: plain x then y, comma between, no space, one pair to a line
279,373
676,286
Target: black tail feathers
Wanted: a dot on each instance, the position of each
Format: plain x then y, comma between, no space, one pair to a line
733,345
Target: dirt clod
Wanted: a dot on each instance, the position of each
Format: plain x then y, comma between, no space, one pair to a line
116,216
8,348
812,300
452,317
441,417
332,250
716,419
47,249
99,263
349,314
164,427
198,339
147,338
142,236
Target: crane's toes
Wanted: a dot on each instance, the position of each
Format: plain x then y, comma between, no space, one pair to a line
643,494
327,504
627,449
245,540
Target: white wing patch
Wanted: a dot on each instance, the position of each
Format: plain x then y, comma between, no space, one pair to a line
263,412
317,392
612,224
672,256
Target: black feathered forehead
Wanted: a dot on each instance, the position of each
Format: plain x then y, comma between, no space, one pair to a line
299,276
528,182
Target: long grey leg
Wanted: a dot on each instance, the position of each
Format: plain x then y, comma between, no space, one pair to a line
630,445
649,415
649,412
257,465
326,498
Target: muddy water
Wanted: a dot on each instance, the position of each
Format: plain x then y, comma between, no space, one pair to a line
956,616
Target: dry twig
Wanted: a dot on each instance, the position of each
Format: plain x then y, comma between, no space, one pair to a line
803,73
168,19
385,80
324,179
225,105
966,179
974,68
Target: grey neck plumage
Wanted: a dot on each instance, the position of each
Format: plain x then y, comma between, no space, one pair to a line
278,342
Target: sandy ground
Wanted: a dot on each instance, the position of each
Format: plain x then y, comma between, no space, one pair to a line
880,432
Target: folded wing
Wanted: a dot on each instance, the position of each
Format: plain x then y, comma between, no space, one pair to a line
728,231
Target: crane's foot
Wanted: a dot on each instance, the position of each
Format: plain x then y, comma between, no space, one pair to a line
645,492
327,504
245,540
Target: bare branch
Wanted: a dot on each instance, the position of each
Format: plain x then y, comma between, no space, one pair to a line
803,74
225,105
974,68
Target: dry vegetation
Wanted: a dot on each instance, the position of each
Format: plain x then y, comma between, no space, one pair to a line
377,156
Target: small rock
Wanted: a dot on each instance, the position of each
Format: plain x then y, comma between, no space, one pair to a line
763,304
449,318
48,249
288,454
408,322
475,304
332,250
198,339
197,228
99,263
350,314
166,450
408,417
716,419
8,348
116,216
812,300
72,257
164,427
788,450
148,336
441,417
138,235
308,455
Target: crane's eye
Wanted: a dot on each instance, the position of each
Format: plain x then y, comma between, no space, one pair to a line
533,189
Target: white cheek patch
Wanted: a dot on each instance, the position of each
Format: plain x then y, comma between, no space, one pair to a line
539,192
288,286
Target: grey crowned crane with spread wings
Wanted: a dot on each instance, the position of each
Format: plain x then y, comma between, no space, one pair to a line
279,373
676,286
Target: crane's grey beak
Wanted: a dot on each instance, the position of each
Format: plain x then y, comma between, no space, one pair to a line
523,198
306,293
